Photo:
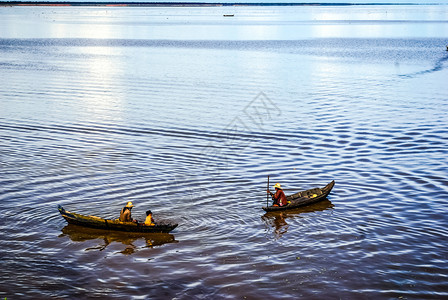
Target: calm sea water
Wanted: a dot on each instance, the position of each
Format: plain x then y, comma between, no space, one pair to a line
186,112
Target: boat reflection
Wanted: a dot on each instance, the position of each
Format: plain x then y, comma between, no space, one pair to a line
277,220
81,234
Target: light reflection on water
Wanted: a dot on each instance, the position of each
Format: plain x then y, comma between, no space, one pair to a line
248,23
130,105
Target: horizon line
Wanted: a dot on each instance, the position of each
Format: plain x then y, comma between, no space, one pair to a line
191,4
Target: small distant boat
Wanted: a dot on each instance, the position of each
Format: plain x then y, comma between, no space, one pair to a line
304,198
116,225
230,15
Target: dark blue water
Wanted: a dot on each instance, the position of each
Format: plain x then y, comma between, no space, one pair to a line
186,113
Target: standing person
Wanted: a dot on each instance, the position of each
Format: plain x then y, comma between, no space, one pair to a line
279,197
149,220
125,214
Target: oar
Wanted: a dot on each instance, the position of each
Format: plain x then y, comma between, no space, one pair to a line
267,195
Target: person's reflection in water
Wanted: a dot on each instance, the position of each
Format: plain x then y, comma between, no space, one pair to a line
280,225
128,250
106,238
278,222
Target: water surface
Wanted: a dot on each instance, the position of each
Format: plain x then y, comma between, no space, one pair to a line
186,112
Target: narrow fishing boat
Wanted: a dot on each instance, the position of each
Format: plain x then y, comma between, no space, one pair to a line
116,225
303,198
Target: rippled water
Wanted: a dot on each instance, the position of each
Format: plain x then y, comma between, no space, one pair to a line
186,112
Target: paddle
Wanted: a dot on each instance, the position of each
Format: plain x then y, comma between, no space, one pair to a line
267,195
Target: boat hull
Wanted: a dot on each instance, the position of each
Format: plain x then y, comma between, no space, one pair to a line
115,225
304,198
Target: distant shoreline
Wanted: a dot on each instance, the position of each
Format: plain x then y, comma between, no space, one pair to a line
183,4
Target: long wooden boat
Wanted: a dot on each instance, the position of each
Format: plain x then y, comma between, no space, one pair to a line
109,224
304,198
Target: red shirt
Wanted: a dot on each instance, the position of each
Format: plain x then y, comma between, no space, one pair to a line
280,198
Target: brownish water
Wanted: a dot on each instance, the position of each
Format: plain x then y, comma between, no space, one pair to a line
185,112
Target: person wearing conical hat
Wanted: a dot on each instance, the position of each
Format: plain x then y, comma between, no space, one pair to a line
125,214
279,197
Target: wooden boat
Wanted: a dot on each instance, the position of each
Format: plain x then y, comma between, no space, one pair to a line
109,224
304,198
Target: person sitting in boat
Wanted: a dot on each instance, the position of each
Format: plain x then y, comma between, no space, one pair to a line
279,197
149,220
125,214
